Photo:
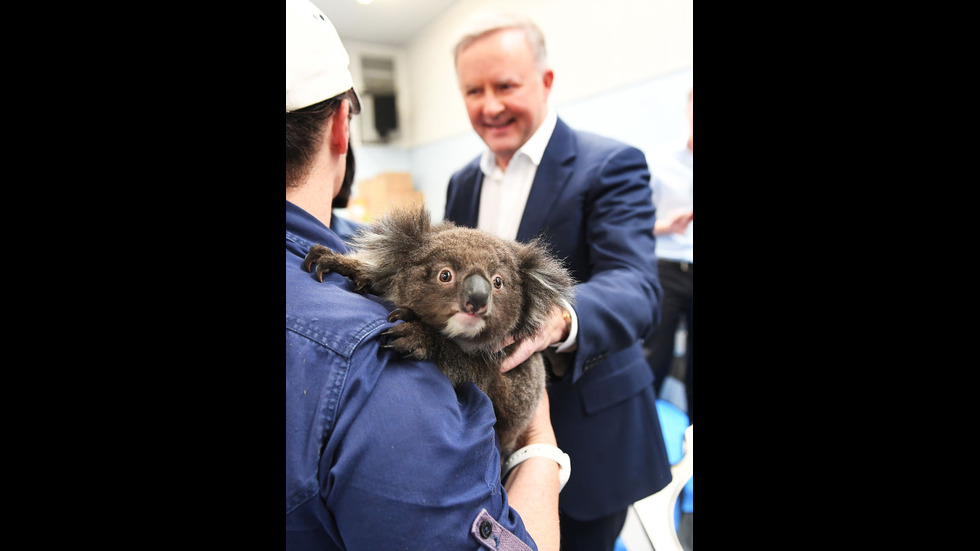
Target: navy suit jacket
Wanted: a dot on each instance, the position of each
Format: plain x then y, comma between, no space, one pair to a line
591,202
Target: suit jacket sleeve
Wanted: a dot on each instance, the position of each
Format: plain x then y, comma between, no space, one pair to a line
619,303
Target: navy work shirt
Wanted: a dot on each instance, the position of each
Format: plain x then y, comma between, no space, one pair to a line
381,452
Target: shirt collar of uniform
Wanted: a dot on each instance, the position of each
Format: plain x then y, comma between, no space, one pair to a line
304,230
533,149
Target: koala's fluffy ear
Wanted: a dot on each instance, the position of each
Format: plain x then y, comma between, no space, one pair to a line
544,282
391,242
404,226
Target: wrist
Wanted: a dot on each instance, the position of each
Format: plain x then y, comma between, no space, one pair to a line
569,330
534,436
547,451
566,317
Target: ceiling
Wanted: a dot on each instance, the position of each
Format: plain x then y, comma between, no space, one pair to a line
391,22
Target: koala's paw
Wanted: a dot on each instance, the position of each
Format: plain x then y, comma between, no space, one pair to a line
321,260
402,313
412,339
312,262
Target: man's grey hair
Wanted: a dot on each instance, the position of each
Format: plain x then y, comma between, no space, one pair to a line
488,22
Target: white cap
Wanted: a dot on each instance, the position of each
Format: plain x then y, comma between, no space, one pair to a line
317,64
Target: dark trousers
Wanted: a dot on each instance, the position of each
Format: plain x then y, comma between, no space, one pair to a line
592,535
677,280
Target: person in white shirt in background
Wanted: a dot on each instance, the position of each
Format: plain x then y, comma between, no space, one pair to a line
672,180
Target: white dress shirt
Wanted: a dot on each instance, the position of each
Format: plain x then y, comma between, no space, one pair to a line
504,194
672,181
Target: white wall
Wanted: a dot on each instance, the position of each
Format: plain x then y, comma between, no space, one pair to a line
622,69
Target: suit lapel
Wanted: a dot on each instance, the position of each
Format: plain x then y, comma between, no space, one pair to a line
549,180
464,209
472,202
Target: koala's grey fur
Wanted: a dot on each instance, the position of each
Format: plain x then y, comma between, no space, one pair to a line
461,293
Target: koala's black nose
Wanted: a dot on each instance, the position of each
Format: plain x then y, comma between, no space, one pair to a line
476,292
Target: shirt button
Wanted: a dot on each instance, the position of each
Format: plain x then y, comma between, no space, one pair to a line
485,529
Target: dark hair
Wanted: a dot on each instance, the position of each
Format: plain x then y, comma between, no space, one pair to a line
343,196
304,129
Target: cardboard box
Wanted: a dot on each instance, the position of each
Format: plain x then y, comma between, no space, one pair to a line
384,192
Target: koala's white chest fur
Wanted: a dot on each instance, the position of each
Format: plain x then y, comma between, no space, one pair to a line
463,328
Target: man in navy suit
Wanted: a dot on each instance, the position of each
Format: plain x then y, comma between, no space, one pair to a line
589,197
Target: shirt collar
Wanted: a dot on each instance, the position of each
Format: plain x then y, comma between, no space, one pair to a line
304,230
533,149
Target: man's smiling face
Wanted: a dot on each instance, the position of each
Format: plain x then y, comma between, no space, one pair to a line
505,94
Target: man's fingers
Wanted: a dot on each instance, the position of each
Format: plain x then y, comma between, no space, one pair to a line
517,357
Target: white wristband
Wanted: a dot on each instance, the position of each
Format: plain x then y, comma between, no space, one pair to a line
541,450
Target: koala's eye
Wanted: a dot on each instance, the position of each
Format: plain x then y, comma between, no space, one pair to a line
497,282
446,275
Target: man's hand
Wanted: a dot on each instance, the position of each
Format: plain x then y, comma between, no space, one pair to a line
675,223
553,330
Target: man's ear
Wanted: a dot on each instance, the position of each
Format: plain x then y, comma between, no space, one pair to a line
340,128
547,79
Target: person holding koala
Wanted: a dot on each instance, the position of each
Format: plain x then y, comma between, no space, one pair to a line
381,451
589,198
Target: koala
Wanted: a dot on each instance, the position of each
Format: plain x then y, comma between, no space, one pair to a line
461,293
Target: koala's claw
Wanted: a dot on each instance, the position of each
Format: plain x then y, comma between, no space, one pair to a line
316,253
410,339
321,260
402,313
